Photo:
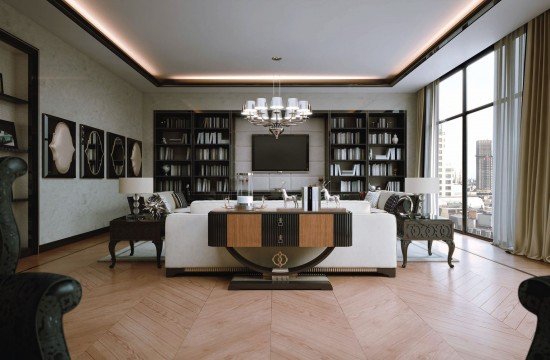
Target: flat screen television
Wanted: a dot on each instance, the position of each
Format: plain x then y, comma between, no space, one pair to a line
288,153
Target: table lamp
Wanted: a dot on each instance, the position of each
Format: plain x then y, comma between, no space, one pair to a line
420,186
134,187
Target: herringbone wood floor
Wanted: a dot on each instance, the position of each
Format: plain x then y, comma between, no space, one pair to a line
428,311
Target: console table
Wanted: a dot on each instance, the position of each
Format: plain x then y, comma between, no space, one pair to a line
435,228
279,228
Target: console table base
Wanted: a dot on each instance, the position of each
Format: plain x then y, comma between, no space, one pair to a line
300,282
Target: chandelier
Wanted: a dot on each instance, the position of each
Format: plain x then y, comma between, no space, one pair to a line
276,117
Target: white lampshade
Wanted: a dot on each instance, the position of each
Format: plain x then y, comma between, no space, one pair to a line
261,104
292,104
276,103
250,105
135,185
422,185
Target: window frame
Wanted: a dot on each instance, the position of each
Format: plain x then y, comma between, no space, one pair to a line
464,115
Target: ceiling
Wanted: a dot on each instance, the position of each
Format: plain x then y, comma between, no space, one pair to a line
321,41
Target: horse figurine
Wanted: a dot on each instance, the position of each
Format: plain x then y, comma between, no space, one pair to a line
329,198
287,197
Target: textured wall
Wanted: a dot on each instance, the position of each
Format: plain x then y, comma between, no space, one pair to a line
232,99
74,87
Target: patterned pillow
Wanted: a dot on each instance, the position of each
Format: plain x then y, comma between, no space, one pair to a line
391,204
179,199
372,197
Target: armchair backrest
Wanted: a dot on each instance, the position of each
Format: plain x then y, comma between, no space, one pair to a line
10,169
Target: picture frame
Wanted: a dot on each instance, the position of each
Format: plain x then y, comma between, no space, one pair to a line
92,152
134,158
116,156
58,147
8,136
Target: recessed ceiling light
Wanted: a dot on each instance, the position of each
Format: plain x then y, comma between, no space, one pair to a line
276,58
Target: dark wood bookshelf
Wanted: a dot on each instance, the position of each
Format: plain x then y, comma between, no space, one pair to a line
191,123
24,97
362,125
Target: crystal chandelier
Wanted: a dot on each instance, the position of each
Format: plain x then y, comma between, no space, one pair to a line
276,117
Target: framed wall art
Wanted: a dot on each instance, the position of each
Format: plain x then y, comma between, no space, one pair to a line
116,156
92,153
134,156
58,149
7,134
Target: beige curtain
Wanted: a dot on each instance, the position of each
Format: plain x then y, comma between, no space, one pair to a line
533,206
419,130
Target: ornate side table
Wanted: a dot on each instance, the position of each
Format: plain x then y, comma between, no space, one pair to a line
122,229
435,228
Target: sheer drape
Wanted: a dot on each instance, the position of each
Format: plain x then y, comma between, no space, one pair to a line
533,205
431,140
509,63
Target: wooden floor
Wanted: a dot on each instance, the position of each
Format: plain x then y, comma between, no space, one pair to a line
428,311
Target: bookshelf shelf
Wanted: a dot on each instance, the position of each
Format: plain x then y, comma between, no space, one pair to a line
195,128
360,127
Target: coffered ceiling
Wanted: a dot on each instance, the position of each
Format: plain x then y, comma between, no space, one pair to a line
322,42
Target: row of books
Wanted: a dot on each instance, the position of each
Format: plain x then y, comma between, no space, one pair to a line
175,123
345,138
391,154
393,186
178,170
383,169
171,185
357,170
207,185
174,138
352,186
213,122
382,123
212,154
167,153
211,138
214,170
382,138
347,123
349,154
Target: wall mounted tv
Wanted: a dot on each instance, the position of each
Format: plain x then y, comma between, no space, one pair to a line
288,153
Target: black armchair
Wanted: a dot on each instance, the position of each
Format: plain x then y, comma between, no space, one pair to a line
31,304
534,295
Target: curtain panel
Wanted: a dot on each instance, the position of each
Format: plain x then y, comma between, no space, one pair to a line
431,134
533,203
509,65
419,132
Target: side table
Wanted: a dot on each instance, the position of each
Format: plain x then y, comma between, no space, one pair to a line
435,228
122,229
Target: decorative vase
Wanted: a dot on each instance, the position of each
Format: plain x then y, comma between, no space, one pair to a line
245,191
395,139
370,154
166,168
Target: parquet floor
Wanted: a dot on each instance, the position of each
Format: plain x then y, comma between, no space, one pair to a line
428,311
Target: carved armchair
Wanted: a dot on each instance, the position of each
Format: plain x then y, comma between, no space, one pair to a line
534,295
31,304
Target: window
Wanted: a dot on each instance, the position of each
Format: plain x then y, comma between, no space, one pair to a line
466,145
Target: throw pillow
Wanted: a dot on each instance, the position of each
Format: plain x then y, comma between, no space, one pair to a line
372,197
157,206
179,199
391,204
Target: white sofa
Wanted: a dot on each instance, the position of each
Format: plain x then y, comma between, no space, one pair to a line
373,249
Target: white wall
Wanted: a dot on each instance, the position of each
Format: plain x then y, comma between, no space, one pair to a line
74,87
232,99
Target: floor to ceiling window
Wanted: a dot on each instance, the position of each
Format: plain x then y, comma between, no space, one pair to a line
465,146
